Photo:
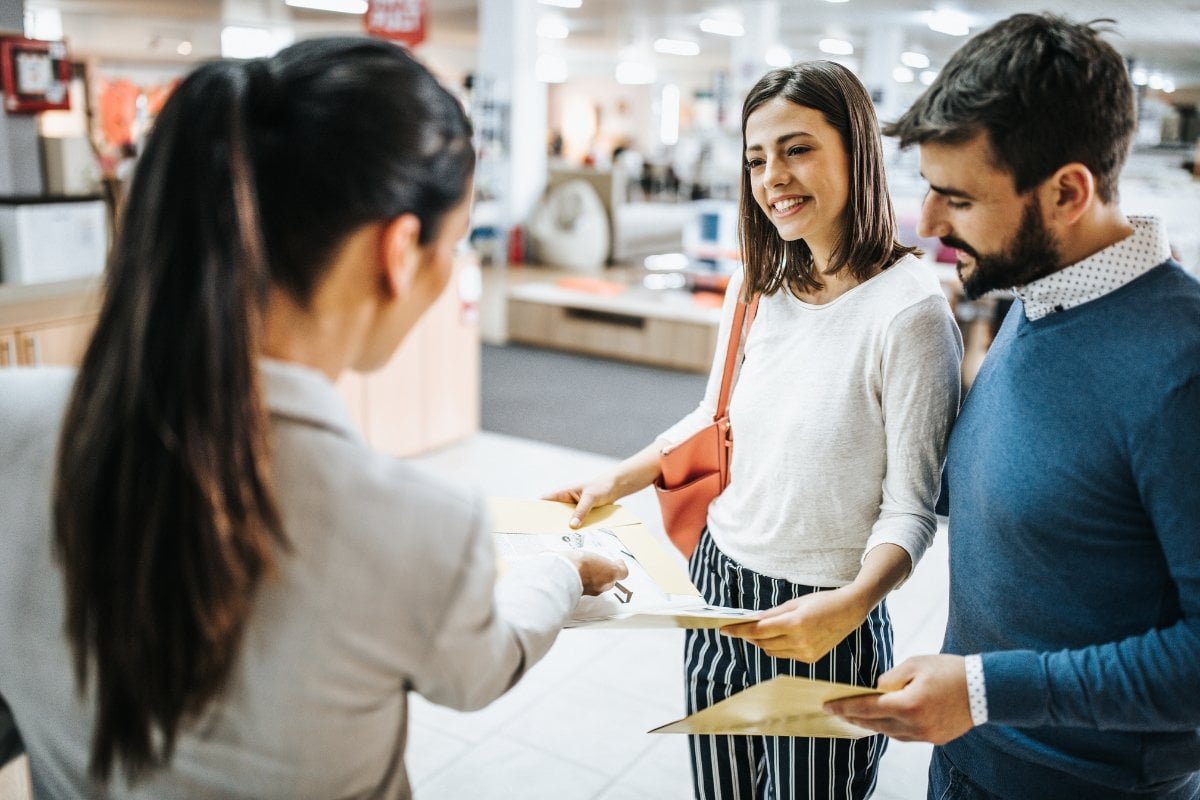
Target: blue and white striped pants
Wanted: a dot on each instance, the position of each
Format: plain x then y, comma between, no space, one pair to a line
775,767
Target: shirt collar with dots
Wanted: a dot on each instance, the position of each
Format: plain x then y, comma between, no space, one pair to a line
1099,273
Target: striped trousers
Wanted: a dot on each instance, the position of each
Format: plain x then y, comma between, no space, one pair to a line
774,767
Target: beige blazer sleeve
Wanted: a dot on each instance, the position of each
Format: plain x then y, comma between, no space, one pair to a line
492,633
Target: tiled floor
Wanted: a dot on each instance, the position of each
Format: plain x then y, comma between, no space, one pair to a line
574,728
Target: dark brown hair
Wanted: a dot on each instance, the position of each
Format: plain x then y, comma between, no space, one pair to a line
1046,91
165,514
868,240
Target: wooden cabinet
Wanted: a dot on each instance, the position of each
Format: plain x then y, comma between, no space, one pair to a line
60,343
426,396
665,329
42,325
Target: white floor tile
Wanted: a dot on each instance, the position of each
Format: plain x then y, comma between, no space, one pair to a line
429,751
661,774
502,769
604,726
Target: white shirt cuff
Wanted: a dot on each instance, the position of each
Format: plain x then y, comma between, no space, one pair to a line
976,690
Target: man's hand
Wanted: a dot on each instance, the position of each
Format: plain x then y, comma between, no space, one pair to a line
806,628
925,700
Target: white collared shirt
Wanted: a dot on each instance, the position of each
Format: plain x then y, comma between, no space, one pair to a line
1099,273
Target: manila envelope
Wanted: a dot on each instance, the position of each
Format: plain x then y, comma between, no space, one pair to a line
782,706
519,515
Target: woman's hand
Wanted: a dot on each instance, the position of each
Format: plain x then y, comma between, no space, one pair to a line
634,473
597,492
806,628
597,572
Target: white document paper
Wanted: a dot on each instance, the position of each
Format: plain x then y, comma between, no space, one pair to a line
657,592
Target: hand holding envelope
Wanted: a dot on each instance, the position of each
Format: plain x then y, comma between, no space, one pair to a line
782,706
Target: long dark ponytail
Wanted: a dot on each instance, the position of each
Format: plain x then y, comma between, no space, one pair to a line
165,516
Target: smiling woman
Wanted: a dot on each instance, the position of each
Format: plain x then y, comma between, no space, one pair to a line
807,130
845,392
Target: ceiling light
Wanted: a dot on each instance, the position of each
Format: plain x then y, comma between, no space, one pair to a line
1156,81
342,6
724,27
184,48
779,56
914,60
1140,77
550,69
635,73
928,77
676,47
1168,85
953,23
562,3
837,47
238,41
552,28
903,75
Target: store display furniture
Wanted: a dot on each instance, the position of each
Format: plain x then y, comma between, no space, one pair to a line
425,397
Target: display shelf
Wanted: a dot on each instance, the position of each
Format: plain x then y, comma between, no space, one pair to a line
662,327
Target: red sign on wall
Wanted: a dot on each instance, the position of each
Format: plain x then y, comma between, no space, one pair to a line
398,20
36,75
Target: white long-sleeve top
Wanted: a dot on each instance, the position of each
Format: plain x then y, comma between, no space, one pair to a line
840,417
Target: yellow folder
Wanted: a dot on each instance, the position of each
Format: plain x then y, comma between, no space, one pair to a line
782,706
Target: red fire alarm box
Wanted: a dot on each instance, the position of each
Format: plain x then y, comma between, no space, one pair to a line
36,75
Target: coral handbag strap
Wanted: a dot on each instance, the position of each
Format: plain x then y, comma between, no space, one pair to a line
743,317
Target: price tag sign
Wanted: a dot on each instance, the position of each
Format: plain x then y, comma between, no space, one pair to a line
399,20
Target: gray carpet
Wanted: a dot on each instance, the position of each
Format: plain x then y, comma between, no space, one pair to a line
586,403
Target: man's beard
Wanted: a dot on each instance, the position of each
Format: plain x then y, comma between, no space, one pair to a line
1031,254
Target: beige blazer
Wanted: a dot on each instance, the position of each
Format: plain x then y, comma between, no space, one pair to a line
390,587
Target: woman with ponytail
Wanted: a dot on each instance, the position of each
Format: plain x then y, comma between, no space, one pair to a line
210,585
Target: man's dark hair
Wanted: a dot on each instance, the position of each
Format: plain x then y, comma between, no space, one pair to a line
1047,92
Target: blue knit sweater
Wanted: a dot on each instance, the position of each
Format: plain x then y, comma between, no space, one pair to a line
1074,495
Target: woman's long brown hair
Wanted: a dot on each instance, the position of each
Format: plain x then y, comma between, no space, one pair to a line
165,515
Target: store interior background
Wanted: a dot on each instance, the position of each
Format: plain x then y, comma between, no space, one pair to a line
584,313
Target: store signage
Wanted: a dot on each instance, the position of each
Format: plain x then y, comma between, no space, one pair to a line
36,75
398,20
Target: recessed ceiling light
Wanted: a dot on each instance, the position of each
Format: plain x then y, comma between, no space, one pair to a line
724,27
341,6
928,77
676,47
953,23
635,72
779,56
914,60
550,69
184,48
1140,77
902,75
837,47
552,28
